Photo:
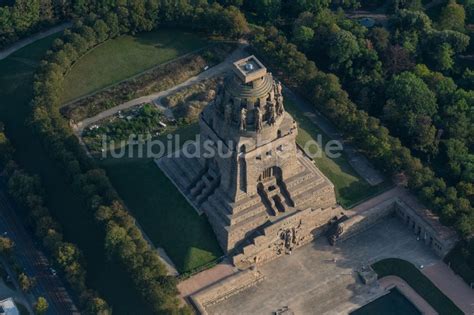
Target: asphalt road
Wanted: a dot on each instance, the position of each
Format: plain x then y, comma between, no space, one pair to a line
34,262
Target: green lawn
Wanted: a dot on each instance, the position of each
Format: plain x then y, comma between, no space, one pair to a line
350,187
393,303
125,56
419,282
16,78
165,215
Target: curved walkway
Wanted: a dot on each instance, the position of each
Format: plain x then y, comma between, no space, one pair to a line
156,97
33,38
389,282
451,285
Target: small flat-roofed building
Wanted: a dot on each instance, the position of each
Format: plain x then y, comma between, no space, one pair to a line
8,307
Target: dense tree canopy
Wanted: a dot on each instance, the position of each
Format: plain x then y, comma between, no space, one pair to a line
402,80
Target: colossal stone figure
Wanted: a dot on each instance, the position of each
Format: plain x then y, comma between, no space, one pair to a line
243,119
258,119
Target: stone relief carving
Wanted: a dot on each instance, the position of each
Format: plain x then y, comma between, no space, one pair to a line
243,119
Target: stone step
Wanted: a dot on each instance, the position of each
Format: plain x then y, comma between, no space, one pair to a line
198,187
248,212
306,195
305,186
298,178
191,166
214,212
219,202
207,191
213,204
259,218
174,172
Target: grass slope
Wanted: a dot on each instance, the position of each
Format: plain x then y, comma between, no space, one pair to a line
350,187
165,215
419,282
124,57
16,78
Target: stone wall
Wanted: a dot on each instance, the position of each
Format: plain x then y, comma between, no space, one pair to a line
422,222
361,222
224,289
283,236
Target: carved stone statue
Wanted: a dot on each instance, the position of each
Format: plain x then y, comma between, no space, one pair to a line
271,113
258,119
279,105
243,119
289,238
279,88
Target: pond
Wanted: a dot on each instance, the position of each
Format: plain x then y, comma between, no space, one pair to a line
393,303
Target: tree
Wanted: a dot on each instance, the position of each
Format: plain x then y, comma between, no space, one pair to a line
409,109
397,59
302,35
411,94
6,245
98,306
444,57
380,38
452,17
412,5
267,10
469,8
26,283
314,6
6,150
235,24
342,48
41,306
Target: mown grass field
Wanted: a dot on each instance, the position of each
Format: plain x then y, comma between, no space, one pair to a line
350,187
165,215
419,282
124,57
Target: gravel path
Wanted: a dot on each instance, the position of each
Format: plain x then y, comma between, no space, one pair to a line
451,285
33,38
156,97
359,162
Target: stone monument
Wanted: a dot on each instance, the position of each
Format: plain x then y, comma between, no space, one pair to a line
261,194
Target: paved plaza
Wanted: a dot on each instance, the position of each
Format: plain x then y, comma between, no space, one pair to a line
321,279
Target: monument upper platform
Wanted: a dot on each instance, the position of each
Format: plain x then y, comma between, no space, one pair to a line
249,69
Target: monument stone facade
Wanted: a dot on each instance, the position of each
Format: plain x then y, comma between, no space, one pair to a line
262,195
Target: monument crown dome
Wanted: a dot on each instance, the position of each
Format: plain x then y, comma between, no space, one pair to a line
250,99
